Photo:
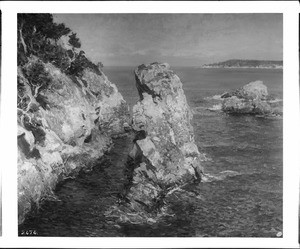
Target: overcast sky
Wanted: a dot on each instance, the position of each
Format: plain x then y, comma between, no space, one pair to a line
179,39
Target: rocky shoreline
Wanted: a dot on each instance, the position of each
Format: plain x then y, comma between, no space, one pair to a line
68,111
75,127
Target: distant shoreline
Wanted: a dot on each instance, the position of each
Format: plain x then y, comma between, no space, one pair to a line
200,67
196,67
214,67
236,63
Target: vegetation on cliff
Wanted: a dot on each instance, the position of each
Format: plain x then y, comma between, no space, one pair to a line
39,35
68,111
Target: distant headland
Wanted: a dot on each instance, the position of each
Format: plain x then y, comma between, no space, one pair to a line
264,64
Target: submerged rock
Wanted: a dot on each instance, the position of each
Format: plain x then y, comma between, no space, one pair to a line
164,156
65,124
252,99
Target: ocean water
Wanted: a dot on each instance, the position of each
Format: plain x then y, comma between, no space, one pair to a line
244,155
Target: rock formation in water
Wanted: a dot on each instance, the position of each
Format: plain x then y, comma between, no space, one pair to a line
68,112
252,99
164,155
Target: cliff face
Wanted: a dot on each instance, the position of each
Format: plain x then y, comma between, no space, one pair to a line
164,116
164,156
65,123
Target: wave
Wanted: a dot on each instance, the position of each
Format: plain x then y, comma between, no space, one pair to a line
203,110
217,107
275,100
219,176
215,97
198,109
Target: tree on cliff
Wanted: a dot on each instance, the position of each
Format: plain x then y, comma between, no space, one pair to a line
74,41
38,35
35,29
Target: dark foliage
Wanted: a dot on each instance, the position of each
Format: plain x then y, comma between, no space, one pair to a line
38,35
43,101
70,53
34,30
100,65
22,99
25,147
80,63
74,41
55,55
37,77
36,128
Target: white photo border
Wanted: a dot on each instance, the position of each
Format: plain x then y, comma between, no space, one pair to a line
291,122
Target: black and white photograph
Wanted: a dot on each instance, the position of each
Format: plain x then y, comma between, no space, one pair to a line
0,118
150,125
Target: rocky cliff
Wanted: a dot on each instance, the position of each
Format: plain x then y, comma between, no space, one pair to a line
62,128
164,156
68,113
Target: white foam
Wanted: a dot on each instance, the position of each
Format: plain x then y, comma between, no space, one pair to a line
220,176
215,97
217,107
275,100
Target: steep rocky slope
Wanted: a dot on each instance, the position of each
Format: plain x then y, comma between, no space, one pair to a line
68,112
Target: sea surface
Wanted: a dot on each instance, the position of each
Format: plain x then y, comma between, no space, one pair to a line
244,155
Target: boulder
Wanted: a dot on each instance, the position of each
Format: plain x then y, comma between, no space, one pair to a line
65,124
253,90
164,155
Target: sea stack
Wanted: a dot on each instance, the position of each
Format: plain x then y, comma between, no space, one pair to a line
252,98
164,155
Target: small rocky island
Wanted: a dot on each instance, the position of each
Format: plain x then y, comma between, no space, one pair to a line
252,98
263,64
